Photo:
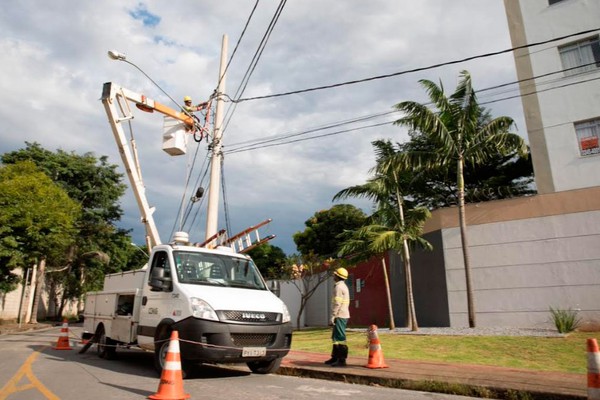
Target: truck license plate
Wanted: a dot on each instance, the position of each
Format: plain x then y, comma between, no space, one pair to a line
254,351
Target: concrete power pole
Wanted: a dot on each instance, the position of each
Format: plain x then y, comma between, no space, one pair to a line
212,212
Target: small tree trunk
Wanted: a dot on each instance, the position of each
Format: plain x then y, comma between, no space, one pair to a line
412,314
388,292
41,277
465,244
410,299
31,293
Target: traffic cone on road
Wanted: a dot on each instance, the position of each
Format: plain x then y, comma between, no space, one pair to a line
171,379
593,370
63,339
375,352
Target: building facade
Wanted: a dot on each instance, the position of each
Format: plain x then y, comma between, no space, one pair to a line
560,88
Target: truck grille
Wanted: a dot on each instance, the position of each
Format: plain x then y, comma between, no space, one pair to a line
257,339
250,316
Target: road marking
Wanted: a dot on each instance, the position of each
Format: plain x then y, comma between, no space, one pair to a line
25,371
327,390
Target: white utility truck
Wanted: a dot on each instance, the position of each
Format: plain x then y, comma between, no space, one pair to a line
215,298
211,293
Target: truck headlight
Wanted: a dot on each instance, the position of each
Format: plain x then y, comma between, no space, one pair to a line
286,314
201,309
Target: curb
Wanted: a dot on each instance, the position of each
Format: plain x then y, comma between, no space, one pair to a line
432,386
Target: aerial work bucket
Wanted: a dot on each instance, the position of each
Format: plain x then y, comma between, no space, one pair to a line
175,137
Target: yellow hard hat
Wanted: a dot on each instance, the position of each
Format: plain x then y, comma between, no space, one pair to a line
341,273
187,98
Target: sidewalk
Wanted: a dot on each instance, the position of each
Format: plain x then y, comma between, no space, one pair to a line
427,376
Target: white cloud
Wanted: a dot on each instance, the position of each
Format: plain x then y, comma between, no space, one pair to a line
54,65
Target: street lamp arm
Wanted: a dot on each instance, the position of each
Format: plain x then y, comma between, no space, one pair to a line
117,56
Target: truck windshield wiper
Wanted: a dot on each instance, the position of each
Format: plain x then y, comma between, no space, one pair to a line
214,282
243,285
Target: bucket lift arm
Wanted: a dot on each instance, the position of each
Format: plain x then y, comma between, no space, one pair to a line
114,96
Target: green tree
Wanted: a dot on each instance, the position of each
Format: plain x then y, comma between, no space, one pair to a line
37,219
500,177
321,235
96,185
453,126
388,228
269,259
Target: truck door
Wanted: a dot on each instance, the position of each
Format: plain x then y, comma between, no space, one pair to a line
158,294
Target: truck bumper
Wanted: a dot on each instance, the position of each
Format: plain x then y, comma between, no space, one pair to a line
209,341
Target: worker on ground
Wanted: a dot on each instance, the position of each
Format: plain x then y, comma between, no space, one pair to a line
189,108
340,314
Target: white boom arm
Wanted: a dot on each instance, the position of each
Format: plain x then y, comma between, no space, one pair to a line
113,95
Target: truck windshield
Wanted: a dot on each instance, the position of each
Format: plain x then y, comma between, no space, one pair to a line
217,269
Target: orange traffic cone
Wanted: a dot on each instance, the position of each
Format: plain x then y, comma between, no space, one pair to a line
63,339
171,379
375,353
593,368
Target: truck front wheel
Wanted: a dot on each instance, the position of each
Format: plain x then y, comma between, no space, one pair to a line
161,348
264,367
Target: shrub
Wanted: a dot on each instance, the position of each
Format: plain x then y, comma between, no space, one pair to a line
565,320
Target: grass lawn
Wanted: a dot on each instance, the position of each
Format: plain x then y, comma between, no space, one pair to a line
566,354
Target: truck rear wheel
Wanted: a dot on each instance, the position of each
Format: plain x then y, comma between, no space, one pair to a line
106,346
264,367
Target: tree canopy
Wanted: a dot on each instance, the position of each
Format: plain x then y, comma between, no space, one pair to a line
269,259
500,176
321,236
99,247
37,219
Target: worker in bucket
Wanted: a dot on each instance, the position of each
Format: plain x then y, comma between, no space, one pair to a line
340,314
189,108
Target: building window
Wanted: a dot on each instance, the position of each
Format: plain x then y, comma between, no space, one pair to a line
580,56
588,134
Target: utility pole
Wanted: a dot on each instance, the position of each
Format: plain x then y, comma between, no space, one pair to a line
212,212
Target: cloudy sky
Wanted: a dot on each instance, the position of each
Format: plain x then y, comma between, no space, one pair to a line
281,160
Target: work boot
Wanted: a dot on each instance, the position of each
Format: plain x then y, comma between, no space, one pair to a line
341,356
334,355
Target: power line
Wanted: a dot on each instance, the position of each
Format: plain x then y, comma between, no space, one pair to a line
541,91
312,137
251,67
239,100
264,143
312,130
239,41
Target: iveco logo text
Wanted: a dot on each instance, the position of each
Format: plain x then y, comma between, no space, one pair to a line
253,316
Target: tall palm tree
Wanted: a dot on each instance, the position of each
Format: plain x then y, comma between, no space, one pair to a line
389,228
454,125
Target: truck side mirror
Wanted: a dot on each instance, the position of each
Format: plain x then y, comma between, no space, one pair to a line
159,282
275,287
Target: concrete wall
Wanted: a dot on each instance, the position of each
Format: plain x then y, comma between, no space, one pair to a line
317,309
9,304
527,255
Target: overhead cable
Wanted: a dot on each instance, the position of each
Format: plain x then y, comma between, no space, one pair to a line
259,144
257,55
239,41
240,100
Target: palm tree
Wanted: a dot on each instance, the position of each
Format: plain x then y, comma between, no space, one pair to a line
389,229
455,126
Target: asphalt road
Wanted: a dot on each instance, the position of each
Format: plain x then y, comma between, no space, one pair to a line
31,369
